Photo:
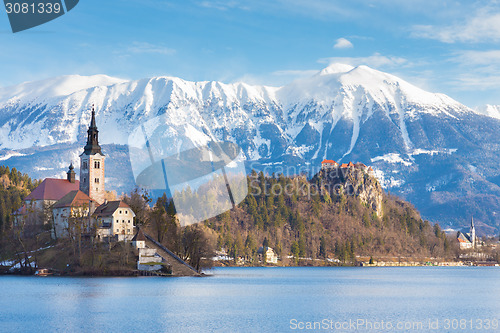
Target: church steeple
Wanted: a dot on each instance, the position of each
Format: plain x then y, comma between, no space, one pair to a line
92,147
472,232
92,165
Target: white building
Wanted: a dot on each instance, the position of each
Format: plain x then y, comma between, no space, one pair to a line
468,240
270,255
139,240
74,208
114,219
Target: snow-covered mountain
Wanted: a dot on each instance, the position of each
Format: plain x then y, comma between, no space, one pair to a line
427,147
489,110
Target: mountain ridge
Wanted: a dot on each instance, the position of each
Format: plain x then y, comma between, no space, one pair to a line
425,147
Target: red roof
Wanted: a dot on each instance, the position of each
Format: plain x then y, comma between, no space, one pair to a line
343,165
370,169
350,164
329,162
74,199
53,189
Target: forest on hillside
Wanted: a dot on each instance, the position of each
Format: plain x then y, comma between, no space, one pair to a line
14,186
304,222
300,218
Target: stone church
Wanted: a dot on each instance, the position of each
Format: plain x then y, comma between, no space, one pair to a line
82,201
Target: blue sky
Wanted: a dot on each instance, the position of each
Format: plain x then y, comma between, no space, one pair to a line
452,47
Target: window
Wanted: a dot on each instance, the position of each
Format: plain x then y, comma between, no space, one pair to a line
128,230
117,221
128,221
84,165
97,165
120,211
117,230
123,221
84,179
126,212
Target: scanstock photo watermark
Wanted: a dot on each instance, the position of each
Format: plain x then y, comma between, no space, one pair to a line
26,14
426,325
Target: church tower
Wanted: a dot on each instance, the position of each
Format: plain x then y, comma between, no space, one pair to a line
472,233
92,165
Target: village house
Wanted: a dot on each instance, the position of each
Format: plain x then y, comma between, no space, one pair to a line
270,256
74,207
114,219
41,199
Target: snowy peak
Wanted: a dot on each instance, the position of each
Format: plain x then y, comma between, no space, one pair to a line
53,87
56,110
489,110
339,84
335,69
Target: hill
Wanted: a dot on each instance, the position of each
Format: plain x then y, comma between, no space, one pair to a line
322,218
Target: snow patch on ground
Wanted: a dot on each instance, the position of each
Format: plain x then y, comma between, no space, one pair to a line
387,181
10,154
391,158
420,151
489,110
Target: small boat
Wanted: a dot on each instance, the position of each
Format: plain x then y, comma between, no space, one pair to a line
43,272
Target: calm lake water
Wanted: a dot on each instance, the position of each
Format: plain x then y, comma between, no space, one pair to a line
259,300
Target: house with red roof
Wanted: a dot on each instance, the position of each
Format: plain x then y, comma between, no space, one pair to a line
44,196
331,164
328,164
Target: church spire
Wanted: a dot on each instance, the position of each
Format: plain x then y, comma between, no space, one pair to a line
472,232
92,147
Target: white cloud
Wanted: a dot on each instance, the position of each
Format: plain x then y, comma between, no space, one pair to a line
342,43
483,26
479,69
144,47
376,60
472,57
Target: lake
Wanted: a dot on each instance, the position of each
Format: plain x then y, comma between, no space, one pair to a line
374,299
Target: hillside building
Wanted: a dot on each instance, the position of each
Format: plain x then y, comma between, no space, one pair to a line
114,220
332,165
72,209
468,240
40,200
268,253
